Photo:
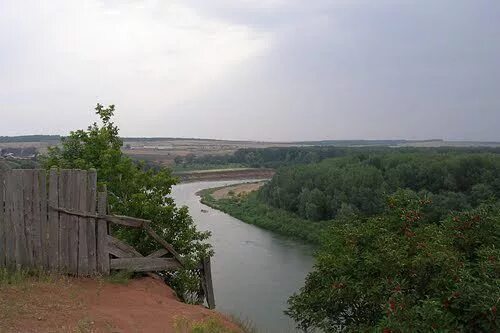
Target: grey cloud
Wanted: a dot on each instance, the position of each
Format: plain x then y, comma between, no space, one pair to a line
329,70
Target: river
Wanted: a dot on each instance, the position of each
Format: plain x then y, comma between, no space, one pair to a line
254,270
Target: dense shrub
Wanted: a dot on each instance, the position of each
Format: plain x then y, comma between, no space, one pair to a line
402,272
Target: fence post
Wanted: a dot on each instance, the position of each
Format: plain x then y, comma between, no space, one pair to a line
2,220
52,240
27,195
83,251
74,193
91,230
207,281
102,233
18,219
64,221
42,178
10,243
36,225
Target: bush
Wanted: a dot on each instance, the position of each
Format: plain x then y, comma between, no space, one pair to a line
400,272
133,190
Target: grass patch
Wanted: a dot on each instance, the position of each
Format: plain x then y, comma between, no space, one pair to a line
84,325
246,325
212,325
119,277
11,277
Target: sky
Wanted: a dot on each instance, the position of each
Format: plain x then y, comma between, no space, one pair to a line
279,70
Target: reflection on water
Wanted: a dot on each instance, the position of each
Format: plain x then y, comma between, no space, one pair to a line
254,271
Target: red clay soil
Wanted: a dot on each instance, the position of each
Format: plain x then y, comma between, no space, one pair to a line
86,305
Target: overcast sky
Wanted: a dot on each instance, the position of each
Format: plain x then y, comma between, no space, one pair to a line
254,69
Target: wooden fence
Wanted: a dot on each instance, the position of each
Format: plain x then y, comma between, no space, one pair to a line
58,221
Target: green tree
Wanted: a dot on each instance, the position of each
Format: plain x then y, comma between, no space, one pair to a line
397,272
133,190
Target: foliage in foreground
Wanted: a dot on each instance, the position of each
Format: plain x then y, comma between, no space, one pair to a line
396,272
133,191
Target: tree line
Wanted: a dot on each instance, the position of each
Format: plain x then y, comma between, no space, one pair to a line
276,157
359,184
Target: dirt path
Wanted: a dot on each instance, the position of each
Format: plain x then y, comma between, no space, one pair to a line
86,305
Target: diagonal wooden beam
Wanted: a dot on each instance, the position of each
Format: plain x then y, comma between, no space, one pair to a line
121,249
145,264
116,219
158,254
160,240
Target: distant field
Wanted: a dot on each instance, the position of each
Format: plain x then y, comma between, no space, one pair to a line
164,150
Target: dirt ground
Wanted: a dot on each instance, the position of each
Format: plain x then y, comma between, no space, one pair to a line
88,305
235,190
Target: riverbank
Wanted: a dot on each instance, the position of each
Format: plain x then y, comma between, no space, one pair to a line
224,174
246,207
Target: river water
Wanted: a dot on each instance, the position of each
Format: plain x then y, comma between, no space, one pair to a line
254,271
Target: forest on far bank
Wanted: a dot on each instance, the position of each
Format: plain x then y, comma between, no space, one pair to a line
277,157
360,183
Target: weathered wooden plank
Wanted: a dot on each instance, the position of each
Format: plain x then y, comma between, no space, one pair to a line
36,236
10,239
2,219
18,219
75,212
145,264
83,252
91,229
27,176
64,221
158,254
102,233
127,221
42,178
74,198
52,240
207,276
116,219
121,249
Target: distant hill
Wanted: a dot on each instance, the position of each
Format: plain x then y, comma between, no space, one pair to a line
351,143
30,138
52,139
